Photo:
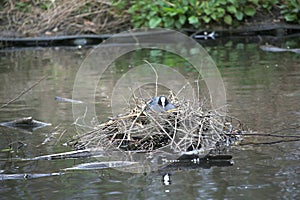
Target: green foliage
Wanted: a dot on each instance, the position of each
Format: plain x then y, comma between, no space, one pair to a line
267,4
194,13
23,6
291,11
26,6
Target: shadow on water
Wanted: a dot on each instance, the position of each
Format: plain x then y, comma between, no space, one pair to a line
262,91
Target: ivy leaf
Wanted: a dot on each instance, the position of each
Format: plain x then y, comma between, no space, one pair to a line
228,19
182,19
207,11
290,17
223,2
214,16
193,20
231,9
250,11
154,22
220,12
239,15
206,19
168,22
255,2
178,25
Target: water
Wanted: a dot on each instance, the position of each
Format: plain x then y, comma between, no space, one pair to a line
262,91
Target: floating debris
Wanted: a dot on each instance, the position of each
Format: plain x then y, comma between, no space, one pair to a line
271,48
62,99
101,165
65,155
4,177
25,123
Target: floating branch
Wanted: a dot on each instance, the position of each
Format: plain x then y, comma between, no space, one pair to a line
23,92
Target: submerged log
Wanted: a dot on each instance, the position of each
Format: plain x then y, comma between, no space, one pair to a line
26,123
272,48
62,99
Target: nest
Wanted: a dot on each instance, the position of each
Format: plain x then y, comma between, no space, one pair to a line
191,127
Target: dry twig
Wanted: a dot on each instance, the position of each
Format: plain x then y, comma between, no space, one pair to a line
189,127
64,17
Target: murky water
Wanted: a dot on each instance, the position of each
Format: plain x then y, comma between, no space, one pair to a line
262,91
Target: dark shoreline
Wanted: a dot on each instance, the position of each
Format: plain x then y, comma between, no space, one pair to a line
263,30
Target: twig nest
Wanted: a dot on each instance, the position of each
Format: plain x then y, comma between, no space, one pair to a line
189,127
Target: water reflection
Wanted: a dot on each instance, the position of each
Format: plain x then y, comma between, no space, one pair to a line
262,90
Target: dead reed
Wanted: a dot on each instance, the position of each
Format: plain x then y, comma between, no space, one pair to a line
62,17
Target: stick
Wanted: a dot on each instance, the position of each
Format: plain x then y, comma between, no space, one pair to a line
23,92
270,143
156,76
266,135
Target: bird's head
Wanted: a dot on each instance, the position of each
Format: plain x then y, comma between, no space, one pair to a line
163,101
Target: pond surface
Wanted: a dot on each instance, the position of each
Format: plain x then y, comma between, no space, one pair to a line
263,91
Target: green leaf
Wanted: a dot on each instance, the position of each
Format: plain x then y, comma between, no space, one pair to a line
250,11
206,19
283,12
239,15
228,19
180,11
139,24
168,9
193,20
168,22
295,4
132,9
220,12
182,19
178,25
207,11
152,13
185,8
231,9
222,2
255,2
154,22
290,17
214,16
20,4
